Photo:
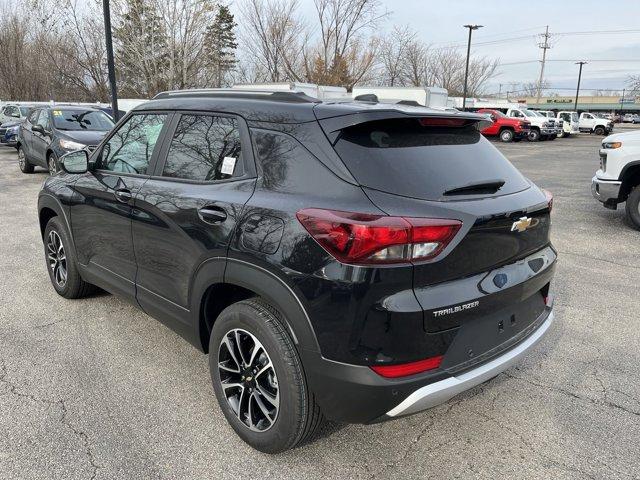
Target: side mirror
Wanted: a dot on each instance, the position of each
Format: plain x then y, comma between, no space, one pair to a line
75,162
493,117
38,129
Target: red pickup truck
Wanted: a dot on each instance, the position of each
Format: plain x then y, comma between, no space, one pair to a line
506,128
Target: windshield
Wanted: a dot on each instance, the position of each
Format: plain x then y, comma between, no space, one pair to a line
531,113
81,119
24,111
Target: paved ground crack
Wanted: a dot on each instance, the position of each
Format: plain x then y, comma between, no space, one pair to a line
604,403
589,257
64,419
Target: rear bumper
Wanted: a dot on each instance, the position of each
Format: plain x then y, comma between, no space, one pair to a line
355,394
605,191
439,392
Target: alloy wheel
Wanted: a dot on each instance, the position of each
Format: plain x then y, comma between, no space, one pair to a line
21,159
53,169
57,258
249,380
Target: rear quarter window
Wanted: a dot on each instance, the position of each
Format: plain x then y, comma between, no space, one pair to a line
403,157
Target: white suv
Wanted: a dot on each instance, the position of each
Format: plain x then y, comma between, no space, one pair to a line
618,179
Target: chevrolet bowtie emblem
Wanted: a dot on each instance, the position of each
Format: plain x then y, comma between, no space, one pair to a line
524,223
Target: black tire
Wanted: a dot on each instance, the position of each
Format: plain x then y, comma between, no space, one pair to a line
632,208
506,135
73,286
52,164
599,131
297,417
23,163
534,135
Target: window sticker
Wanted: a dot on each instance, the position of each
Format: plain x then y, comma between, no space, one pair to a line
228,165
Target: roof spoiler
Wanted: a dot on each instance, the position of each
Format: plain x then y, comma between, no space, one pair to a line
333,125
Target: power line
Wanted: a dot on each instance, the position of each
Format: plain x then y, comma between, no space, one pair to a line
632,60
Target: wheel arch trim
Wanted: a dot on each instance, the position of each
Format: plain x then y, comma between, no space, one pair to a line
264,283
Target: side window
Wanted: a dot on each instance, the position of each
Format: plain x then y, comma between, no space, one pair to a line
12,111
33,117
43,119
129,150
204,148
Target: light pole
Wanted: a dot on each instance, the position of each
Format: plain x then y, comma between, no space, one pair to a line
466,70
575,105
110,62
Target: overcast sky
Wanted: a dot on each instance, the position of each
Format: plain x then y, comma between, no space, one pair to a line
440,23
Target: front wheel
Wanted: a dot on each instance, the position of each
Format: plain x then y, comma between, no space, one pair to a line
23,163
506,135
61,262
632,208
52,163
534,135
258,378
599,131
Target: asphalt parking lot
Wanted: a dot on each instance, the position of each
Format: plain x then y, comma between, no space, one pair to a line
96,389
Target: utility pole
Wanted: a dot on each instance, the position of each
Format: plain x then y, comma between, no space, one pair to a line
110,60
544,46
622,102
575,105
466,70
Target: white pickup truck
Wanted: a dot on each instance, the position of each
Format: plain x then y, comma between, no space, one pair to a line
542,128
570,123
591,123
618,179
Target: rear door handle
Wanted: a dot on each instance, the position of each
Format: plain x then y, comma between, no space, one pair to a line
123,195
212,215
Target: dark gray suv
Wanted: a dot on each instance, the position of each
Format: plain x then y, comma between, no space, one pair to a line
50,132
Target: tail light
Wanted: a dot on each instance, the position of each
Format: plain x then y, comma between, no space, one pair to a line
549,197
361,238
406,369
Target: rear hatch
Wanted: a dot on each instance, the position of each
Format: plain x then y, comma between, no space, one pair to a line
492,279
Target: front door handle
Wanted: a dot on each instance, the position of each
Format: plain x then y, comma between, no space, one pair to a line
123,195
212,215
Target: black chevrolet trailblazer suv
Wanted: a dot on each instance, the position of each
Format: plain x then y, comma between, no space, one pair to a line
348,261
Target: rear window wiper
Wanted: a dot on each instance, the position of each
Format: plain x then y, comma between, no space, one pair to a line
478,188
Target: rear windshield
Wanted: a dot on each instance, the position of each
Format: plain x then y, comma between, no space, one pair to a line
403,157
82,119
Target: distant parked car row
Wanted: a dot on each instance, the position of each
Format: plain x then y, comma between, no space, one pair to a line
514,124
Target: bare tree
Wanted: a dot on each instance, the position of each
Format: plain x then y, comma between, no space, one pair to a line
273,40
530,89
345,53
394,53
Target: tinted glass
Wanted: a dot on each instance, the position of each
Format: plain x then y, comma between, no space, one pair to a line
204,148
81,119
24,111
43,119
33,117
130,149
406,158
